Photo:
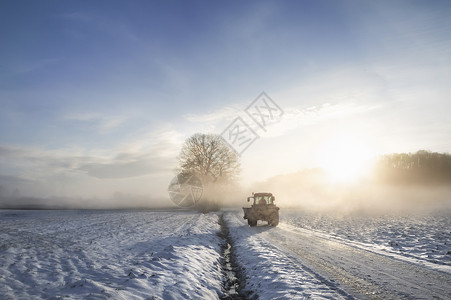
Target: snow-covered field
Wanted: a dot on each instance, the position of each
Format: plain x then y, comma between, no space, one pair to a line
424,238
179,255
109,254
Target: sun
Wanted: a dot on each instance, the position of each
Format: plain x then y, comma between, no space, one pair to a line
345,158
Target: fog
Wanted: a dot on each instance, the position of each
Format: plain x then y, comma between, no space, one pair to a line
308,190
311,190
117,201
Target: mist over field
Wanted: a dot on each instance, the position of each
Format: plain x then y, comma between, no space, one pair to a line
120,201
312,190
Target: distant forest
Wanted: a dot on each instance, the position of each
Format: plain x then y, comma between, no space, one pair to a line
421,167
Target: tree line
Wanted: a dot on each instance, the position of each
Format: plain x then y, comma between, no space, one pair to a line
421,167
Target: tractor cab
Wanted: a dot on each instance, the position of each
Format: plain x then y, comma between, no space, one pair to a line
262,208
262,199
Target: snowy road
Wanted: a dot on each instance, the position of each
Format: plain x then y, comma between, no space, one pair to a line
342,267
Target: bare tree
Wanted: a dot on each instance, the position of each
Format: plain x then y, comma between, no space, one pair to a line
208,157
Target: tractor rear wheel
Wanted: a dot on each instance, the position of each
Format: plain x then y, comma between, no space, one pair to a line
274,220
251,222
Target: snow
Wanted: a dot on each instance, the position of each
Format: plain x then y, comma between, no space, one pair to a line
272,273
109,254
424,239
290,261
176,254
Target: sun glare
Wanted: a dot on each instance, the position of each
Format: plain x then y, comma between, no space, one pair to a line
345,159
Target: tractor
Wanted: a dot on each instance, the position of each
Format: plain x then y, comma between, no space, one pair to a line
262,208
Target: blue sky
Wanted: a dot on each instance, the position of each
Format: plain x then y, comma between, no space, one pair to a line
98,96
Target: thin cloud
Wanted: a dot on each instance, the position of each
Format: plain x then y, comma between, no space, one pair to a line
163,141
24,67
117,168
147,154
103,123
13,180
108,26
302,117
225,113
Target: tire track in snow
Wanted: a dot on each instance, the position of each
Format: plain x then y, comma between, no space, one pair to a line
362,273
